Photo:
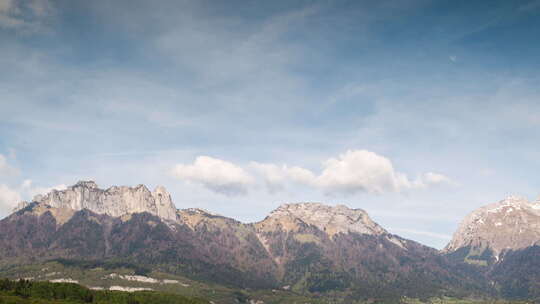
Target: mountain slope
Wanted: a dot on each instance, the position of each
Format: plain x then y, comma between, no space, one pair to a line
486,233
307,247
503,239
322,248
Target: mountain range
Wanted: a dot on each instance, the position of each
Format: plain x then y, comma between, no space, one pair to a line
306,248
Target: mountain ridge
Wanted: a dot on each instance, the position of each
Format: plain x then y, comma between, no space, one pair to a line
118,201
309,247
306,247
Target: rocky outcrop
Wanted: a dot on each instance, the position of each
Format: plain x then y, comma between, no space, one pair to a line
332,220
115,201
502,241
511,224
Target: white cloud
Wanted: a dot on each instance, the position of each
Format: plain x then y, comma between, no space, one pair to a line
9,198
12,153
5,168
31,192
351,172
361,171
3,162
432,178
276,176
216,175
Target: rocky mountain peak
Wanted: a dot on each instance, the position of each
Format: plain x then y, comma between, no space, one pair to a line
86,184
115,201
330,219
513,223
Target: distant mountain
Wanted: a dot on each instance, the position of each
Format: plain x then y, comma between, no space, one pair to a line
486,233
503,238
133,224
306,248
322,248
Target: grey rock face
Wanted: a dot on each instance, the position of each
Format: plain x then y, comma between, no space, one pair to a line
118,201
115,201
513,223
330,219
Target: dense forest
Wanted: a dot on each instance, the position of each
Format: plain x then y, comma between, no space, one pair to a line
26,292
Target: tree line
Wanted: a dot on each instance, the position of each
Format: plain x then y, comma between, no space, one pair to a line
38,292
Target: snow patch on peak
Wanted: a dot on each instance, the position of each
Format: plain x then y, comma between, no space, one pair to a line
496,225
511,201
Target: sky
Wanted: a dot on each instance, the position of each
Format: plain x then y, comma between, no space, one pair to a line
416,111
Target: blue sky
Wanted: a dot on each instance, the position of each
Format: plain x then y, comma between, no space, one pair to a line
416,111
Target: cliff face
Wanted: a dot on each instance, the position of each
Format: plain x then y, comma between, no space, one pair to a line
331,220
115,201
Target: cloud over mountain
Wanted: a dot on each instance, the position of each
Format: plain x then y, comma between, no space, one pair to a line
8,197
5,168
354,171
11,193
215,174
361,171
276,176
